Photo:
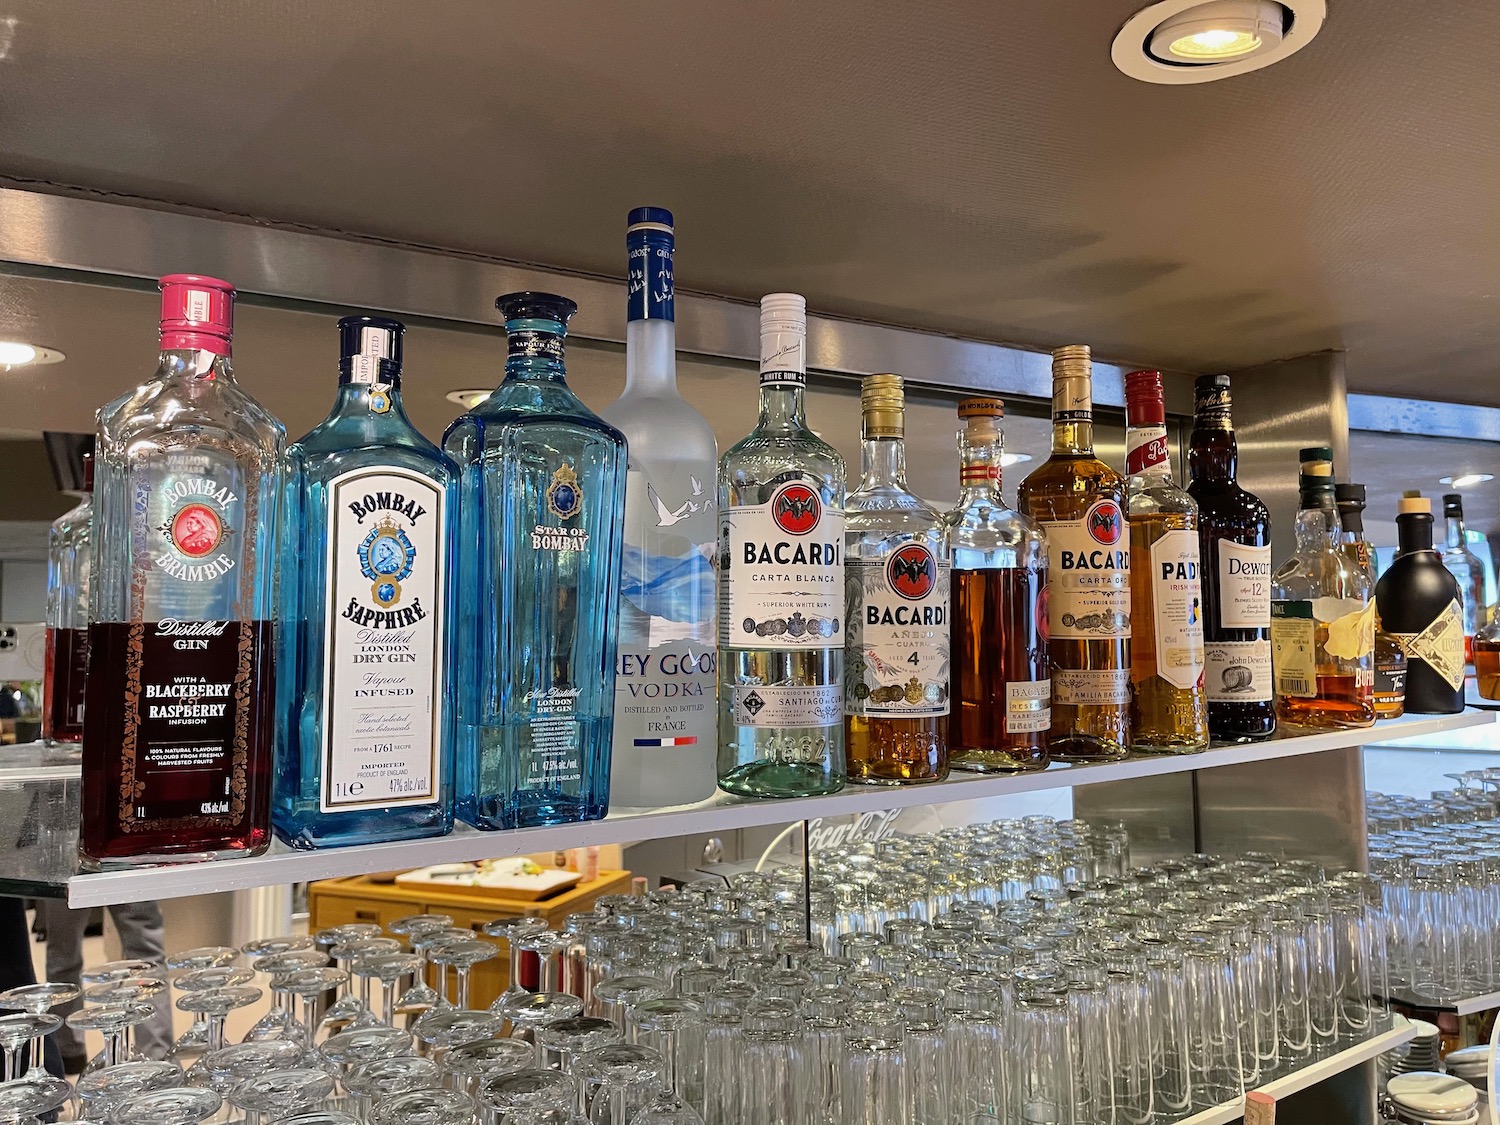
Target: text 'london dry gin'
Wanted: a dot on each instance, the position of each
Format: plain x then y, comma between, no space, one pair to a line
781,584
177,746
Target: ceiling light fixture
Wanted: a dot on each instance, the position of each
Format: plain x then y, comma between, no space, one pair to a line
469,397
1466,480
1177,42
14,353
1009,459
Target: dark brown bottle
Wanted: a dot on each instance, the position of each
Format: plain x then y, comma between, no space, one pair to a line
1421,608
1234,541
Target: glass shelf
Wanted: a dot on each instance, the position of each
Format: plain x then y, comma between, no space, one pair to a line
39,809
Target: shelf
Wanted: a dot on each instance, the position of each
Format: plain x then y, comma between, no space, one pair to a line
1311,1075
43,860
1468,1006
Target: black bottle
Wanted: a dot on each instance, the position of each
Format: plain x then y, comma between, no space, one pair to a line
1420,607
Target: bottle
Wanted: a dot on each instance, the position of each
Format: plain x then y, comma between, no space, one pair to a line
781,584
364,742
68,549
666,719
1487,658
1078,501
180,695
1390,660
1421,607
896,636
1467,569
1168,708
541,508
1234,545
1002,693
1322,616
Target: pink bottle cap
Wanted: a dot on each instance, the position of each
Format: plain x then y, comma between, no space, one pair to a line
196,313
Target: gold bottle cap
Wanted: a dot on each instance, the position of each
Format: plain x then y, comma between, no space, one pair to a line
981,408
1071,361
883,404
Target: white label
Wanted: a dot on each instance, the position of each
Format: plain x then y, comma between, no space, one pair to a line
1028,707
777,706
1244,586
1294,655
1237,671
1105,687
382,681
1177,608
897,649
784,581
1088,567
197,304
1440,645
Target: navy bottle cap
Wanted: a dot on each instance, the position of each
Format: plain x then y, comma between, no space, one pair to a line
370,349
649,246
531,305
652,216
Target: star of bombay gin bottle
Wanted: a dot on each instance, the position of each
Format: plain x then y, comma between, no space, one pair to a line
781,584
180,696
68,549
541,506
364,744
666,720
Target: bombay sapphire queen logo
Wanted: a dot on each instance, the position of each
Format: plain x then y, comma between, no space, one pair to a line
564,494
386,558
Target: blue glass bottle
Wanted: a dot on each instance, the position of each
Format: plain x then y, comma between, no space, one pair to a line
365,733
542,504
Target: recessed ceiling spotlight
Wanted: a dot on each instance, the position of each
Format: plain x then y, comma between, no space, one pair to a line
470,397
14,353
1466,480
1177,42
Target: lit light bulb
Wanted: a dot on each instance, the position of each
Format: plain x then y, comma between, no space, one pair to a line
1216,43
13,354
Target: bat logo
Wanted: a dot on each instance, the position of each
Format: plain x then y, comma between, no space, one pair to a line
911,572
796,508
1105,523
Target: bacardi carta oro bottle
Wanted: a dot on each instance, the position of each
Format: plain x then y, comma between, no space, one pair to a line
69,547
177,746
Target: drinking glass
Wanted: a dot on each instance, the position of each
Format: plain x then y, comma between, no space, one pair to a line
1041,1079
615,996
448,1027
100,1092
1215,1074
423,1107
549,948
463,956
619,1080
468,1064
229,1066
530,1011
349,1049
319,1117
528,1091
389,969
214,1005
113,1021
923,1040
976,1045
28,1030
873,1083
380,1078
420,995
772,1063
184,1105
29,1099
281,1092
673,1026
511,931
37,1000
279,1020
562,1041
308,985
350,1008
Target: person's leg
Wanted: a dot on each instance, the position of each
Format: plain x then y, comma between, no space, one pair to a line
143,936
64,929
16,969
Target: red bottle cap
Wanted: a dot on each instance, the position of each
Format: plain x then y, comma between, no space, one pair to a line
1145,421
196,313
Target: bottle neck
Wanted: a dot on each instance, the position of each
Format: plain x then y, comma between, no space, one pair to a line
1413,532
979,473
378,399
651,357
882,463
534,352
1315,530
1454,533
783,406
195,364
1213,452
1073,437
1146,454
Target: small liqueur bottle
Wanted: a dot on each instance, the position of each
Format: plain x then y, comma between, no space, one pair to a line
1487,658
1322,616
781,584
1390,660
897,602
1234,543
1466,567
364,742
1168,709
177,746
1078,501
542,507
68,551
1420,606
666,718
1002,694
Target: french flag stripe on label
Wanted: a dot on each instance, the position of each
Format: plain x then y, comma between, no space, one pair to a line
687,741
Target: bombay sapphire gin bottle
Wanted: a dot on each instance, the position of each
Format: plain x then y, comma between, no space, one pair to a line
542,502
364,744
665,717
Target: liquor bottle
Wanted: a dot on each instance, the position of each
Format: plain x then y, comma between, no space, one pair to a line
68,550
1421,607
1487,658
781,584
1322,616
364,741
1390,660
1079,502
1168,708
180,696
666,720
1234,544
541,508
1466,568
1002,693
896,628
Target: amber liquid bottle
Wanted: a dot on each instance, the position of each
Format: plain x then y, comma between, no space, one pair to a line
1390,661
1079,502
1234,545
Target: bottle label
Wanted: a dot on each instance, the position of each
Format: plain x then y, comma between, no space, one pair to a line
649,290
1294,652
1028,707
1390,682
1072,399
1088,562
1440,645
783,357
1237,671
1244,586
200,516
897,640
771,706
1145,446
1177,608
530,343
67,672
1351,627
1102,687
383,640
782,582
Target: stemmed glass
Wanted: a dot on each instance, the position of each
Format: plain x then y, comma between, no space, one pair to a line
101,1091
114,1022
424,944
619,1080
281,1092
351,1010
562,1041
185,1105
512,931
30,1099
279,1020
528,1091
423,1107
420,995
534,1010
388,969
215,1004
468,1064
359,1045
463,956
308,985
549,947
36,1000
380,1078
448,1027
195,1038
229,1066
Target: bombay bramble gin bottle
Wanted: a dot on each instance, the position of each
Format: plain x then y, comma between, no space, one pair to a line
68,563
364,741
666,718
1079,502
1002,696
542,504
896,573
781,584
180,696
1168,711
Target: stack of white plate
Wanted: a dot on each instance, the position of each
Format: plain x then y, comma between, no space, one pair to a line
1472,1064
1422,1053
1428,1098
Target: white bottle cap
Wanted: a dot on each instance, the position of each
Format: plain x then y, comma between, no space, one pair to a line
783,339
784,310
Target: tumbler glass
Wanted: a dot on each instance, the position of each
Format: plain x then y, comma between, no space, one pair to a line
773,1064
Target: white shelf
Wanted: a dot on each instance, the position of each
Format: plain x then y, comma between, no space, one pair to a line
1468,1006
1311,1075
282,864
